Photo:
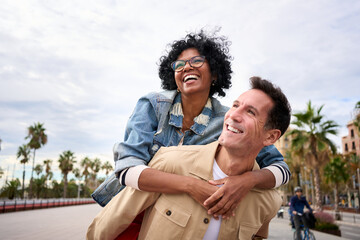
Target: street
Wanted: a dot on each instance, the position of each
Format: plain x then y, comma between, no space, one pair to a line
72,223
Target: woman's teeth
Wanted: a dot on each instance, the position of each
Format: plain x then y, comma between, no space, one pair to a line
190,77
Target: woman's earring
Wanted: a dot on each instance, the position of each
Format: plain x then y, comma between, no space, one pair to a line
177,90
213,82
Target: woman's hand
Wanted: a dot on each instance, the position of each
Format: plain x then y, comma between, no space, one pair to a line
226,198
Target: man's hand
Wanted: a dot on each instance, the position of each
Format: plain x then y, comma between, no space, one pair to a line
226,198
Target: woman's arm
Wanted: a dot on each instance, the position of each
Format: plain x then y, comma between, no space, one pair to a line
153,180
138,139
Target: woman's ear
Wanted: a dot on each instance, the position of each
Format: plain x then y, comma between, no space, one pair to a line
272,136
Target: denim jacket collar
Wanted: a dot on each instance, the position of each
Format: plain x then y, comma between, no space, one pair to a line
200,122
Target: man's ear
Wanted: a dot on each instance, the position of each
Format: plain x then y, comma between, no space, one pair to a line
272,136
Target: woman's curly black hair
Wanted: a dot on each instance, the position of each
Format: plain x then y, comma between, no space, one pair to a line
216,51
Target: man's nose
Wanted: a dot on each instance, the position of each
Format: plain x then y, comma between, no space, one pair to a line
237,114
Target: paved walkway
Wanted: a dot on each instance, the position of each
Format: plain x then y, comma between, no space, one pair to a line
72,223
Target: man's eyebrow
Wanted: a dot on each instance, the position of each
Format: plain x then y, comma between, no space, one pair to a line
248,105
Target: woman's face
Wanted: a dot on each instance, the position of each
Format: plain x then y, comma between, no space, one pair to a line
193,80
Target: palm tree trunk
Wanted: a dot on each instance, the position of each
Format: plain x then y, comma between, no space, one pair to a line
336,199
23,183
31,179
65,185
318,202
337,213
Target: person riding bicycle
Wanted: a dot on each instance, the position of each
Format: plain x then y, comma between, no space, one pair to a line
297,204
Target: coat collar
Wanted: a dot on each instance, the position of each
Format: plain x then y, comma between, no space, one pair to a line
203,166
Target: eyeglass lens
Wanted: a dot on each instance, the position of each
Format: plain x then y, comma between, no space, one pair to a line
196,62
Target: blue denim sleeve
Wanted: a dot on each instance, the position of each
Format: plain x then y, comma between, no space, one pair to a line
138,139
270,156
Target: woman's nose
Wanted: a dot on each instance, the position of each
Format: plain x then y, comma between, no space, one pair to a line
187,66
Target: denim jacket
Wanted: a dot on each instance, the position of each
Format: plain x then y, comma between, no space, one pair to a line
157,121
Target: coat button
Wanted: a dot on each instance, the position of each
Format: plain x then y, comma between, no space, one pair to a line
206,220
168,212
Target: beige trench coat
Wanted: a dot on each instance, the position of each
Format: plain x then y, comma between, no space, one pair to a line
178,216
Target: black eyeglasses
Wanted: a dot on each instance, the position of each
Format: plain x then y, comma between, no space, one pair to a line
195,62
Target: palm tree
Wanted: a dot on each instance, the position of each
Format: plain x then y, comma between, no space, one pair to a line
357,116
11,188
66,164
38,169
107,167
311,139
95,166
336,172
38,138
86,163
78,175
48,173
23,153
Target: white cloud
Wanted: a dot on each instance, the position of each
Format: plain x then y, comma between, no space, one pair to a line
79,67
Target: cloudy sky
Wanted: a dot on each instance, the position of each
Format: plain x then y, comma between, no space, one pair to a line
80,66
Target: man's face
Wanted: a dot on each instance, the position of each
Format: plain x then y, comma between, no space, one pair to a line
244,123
298,193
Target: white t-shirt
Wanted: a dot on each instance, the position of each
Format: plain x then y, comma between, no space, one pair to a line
214,226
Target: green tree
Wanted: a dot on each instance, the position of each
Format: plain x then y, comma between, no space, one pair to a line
38,169
357,117
66,164
311,137
107,167
1,172
336,172
11,189
24,154
38,138
39,186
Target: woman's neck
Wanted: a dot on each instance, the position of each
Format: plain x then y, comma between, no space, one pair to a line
193,106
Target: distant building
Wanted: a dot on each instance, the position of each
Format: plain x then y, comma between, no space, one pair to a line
351,142
284,144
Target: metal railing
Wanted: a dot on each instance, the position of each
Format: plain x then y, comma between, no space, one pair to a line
22,205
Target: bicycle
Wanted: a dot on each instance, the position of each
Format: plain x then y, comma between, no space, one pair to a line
306,234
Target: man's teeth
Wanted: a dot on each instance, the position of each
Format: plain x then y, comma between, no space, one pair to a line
189,77
230,128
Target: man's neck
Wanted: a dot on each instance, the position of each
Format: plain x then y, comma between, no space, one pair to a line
234,163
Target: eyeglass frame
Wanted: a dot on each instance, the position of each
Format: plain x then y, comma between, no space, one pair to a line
187,61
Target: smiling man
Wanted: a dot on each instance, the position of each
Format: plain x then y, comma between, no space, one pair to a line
256,119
